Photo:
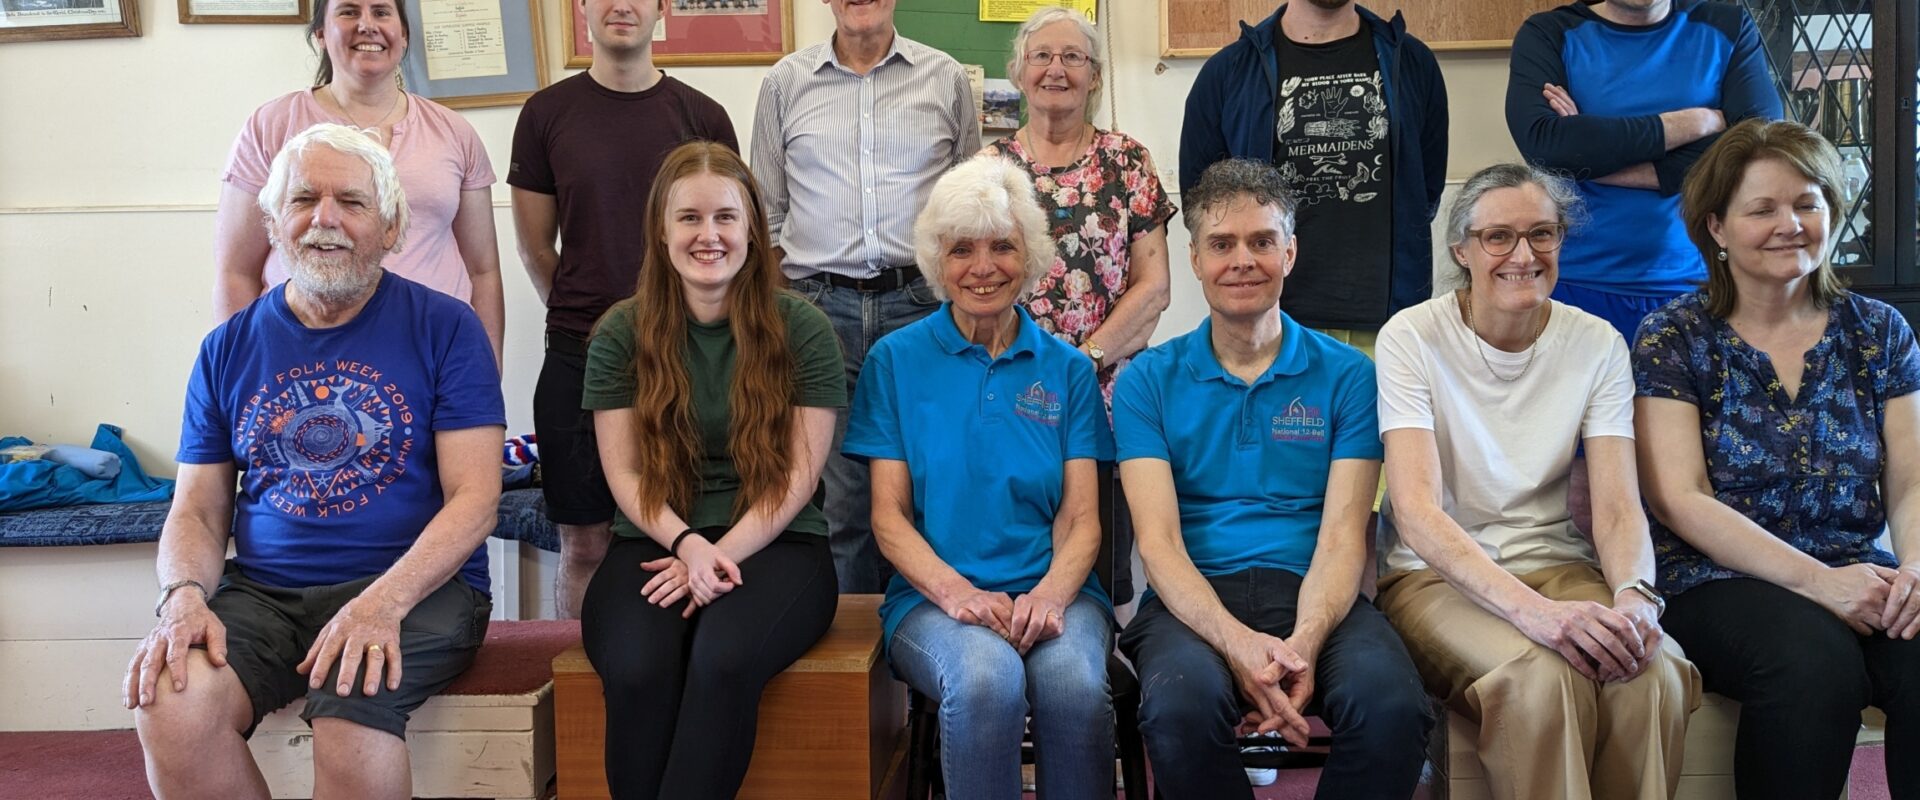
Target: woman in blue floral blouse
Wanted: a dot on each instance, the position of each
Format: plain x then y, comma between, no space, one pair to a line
1107,213
1779,435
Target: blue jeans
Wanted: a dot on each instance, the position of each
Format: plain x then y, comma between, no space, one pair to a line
859,319
987,691
1365,688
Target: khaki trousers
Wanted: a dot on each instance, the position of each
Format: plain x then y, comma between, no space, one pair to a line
1545,731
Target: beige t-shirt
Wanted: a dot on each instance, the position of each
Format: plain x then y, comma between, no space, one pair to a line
1506,448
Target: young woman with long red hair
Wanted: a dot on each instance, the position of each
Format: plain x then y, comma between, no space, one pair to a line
713,391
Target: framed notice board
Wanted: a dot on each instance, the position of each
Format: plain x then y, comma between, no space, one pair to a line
1197,28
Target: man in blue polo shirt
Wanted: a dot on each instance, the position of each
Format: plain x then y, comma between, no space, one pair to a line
1250,452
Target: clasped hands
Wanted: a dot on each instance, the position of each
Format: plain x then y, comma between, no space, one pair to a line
1276,679
701,573
1023,621
1610,645
1870,597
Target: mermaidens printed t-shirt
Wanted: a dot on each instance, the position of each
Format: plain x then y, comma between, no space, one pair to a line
1250,462
1331,145
986,439
332,429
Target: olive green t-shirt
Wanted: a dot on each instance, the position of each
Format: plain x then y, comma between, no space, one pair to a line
819,380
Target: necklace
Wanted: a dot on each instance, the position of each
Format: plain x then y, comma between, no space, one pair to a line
1034,155
372,131
1466,304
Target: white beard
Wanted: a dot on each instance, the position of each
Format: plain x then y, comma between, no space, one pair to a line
329,282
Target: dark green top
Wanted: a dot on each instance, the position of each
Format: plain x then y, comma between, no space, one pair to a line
819,380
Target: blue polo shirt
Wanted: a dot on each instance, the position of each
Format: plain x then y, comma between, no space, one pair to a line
986,440
1249,463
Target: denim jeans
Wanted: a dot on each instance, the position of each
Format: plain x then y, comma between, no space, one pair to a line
859,319
987,691
1365,688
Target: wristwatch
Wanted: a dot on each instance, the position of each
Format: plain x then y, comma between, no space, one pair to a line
167,591
1647,591
1098,355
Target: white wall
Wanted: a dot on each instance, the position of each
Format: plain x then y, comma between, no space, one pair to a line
110,153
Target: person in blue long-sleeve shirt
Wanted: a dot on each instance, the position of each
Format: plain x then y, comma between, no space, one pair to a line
1624,96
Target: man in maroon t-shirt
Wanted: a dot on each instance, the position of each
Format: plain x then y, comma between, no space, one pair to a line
585,153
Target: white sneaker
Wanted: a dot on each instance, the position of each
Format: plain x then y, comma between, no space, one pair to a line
1264,776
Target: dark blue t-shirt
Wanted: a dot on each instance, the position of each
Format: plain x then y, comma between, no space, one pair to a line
332,429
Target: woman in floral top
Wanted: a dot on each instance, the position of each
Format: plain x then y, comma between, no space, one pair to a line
1107,213
1106,209
1779,434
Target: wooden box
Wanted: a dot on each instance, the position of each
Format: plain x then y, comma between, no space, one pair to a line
829,725
485,746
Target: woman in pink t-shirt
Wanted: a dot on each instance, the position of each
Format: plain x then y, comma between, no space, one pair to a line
450,244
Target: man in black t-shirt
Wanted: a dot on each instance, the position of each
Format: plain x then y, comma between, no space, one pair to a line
585,153
1352,110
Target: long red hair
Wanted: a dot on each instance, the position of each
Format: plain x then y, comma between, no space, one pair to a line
761,423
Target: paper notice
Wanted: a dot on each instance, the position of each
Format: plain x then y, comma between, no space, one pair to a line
464,38
1019,10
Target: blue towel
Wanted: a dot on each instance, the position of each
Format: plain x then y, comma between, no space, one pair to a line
48,484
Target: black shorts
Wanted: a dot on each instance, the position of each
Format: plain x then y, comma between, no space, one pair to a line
269,630
570,476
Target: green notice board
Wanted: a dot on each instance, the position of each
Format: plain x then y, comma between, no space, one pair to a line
955,26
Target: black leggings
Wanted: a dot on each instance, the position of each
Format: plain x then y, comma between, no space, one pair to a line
655,665
1802,677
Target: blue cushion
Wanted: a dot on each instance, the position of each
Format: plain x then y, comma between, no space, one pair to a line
523,516
105,523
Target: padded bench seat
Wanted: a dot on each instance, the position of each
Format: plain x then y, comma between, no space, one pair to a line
489,735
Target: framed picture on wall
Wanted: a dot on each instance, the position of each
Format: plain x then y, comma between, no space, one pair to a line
705,32
244,12
474,53
49,20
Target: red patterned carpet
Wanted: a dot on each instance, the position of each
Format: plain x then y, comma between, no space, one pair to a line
105,765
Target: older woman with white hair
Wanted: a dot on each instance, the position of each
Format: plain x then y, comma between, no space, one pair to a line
982,432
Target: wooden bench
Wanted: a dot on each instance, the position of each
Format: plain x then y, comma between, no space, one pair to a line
488,735
1705,774
829,725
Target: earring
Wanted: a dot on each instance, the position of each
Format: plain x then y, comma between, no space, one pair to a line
1722,255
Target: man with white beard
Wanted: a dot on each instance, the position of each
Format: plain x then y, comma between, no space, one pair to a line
361,413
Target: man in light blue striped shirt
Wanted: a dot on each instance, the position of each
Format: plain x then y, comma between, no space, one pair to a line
848,139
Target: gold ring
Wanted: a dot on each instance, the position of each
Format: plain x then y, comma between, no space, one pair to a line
375,647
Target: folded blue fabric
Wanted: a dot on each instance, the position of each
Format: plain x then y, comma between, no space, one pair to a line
48,483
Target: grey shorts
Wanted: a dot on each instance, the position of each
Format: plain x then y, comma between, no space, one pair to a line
269,630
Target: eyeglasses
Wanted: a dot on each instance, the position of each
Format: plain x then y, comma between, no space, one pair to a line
1502,241
1072,59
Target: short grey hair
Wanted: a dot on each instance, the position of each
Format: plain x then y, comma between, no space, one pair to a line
348,141
1047,15
1235,178
984,196
1567,206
